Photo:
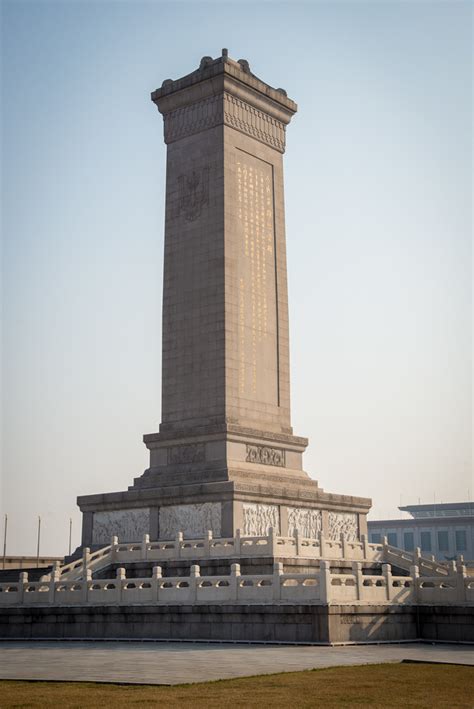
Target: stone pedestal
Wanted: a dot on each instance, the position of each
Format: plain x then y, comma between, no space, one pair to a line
225,457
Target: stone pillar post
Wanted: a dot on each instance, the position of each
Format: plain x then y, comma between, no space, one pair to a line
357,571
86,579
387,574
237,542
277,573
121,577
234,581
325,581
194,577
415,574
22,585
145,543
155,582
86,554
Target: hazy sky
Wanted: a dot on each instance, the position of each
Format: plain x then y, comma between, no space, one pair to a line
378,205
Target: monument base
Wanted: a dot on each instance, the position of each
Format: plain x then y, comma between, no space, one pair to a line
222,478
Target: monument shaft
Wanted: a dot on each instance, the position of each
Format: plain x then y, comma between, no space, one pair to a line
225,303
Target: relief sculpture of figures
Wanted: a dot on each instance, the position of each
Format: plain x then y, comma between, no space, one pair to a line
343,523
308,522
193,193
259,518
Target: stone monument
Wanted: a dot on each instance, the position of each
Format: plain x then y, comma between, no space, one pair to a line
225,457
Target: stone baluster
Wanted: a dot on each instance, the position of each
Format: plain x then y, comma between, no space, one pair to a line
322,545
297,541
271,541
344,546
359,580
22,586
55,577
178,542
156,575
86,555
207,543
234,581
145,543
113,547
415,575
461,576
237,545
277,573
194,577
387,574
459,561
325,581
121,577
365,547
86,579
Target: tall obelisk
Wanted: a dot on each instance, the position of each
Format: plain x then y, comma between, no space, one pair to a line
225,457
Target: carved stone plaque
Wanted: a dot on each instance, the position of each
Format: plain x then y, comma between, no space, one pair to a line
265,455
194,453
259,518
308,522
194,521
193,193
127,525
343,523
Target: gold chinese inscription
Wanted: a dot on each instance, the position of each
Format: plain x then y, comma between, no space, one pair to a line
258,360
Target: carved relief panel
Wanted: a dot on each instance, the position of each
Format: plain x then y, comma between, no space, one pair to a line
343,523
307,522
265,455
127,525
194,521
259,518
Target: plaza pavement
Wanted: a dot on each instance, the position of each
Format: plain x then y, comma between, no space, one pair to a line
176,663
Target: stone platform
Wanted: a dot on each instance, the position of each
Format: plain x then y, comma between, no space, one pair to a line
291,623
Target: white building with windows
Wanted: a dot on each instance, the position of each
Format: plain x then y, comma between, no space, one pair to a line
445,530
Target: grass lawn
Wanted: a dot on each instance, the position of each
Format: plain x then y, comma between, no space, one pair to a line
388,685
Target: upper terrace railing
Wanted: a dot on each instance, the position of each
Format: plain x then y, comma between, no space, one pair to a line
325,586
240,547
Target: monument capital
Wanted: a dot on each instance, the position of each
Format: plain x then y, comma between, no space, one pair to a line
223,91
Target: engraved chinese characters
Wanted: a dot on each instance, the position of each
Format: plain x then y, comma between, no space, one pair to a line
257,297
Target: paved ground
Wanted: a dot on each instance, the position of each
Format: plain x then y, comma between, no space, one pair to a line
175,663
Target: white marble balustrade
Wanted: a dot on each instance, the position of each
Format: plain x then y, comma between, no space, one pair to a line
323,586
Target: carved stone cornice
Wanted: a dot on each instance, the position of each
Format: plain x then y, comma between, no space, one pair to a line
224,109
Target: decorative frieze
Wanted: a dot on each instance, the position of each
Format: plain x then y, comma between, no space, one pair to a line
259,518
128,525
194,521
307,522
224,109
250,120
345,523
192,453
265,455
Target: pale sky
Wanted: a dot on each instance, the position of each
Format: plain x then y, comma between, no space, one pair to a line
378,181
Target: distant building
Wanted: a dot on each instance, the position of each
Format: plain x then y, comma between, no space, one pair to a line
445,530
28,562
